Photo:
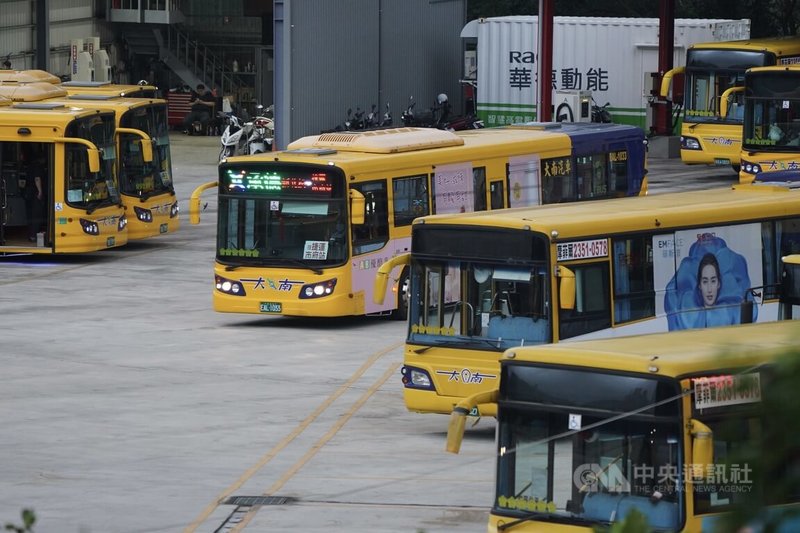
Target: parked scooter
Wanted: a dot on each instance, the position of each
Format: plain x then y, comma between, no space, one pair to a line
600,113
235,137
430,118
263,131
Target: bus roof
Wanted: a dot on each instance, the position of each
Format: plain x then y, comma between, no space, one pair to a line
46,115
28,76
31,92
367,150
104,87
602,218
104,101
795,68
782,46
676,354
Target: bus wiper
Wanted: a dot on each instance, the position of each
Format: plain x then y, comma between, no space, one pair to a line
98,205
145,196
301,263
495,345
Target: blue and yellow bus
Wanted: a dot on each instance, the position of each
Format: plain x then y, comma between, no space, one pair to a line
303,231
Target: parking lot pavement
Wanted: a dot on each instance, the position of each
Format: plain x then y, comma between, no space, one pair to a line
128,405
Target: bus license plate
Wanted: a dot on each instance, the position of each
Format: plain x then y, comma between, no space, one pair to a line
163,228
270,307
722,162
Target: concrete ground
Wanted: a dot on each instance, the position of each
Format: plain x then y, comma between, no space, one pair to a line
128,405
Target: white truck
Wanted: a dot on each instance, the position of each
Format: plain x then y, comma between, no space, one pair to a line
610,60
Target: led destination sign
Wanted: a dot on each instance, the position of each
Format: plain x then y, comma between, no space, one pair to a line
315,183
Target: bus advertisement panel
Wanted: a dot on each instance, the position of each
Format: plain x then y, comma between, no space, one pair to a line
303,232
484,282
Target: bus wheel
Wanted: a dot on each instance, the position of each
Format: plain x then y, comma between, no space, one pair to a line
401,313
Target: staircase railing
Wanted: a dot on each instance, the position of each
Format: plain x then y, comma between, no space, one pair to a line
201,60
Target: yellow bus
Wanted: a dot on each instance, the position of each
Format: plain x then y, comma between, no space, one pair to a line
589,431
714,73
303,231
146,183
74,206
146,188
771,134
484,282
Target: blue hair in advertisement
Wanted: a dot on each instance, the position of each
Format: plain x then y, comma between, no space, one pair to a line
708,287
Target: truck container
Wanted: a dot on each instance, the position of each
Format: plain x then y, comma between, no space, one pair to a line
610,60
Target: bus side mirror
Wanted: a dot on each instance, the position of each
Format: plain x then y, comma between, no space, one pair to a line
358,206
458,418
566,289
94,160
194,201
383,273
702,448
147,150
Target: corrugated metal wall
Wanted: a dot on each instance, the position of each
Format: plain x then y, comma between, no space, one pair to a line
69,19
355,53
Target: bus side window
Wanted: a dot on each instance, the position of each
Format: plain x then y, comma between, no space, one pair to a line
497,192
592,310
634,291
373,234
479,188
409,199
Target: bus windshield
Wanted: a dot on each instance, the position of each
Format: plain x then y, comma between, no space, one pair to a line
772,113
478,302
85,189
140,178
709,73
292,215
595,474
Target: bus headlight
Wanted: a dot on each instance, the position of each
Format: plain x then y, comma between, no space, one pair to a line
173,210
317,290
690,143
228,286
145,215
123,222
416,378
90,227
750,168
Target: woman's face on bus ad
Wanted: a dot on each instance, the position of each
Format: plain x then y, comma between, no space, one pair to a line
709,285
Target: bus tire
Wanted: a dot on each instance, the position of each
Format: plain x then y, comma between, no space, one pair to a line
401,312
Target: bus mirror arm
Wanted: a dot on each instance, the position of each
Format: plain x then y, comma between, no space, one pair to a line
146,142
702,448
194,201
383,273
666,80
566,291
458,418
358,206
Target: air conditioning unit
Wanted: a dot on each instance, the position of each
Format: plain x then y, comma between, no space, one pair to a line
572,105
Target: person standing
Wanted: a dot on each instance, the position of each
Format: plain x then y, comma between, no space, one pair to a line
36,196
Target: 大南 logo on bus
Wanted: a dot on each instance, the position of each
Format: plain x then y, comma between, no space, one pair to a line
465,375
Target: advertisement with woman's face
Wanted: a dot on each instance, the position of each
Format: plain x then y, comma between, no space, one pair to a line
705,274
